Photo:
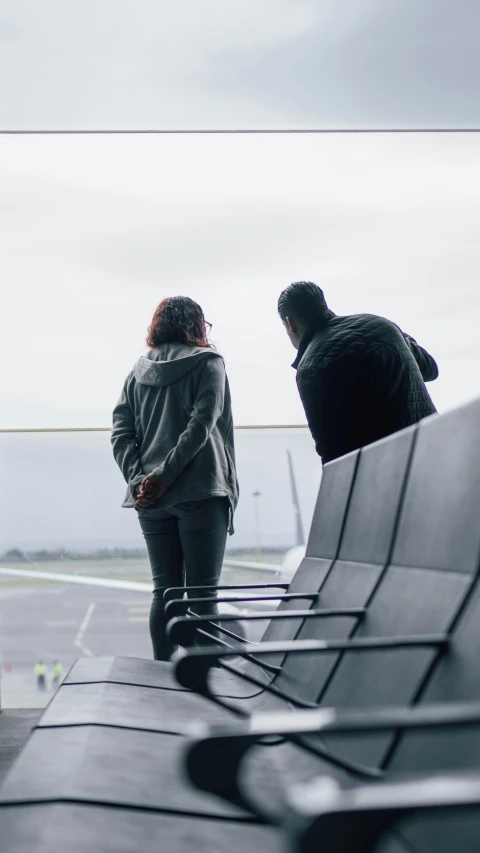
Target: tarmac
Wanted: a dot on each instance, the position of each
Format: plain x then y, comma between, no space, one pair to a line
57,621
15,727
49,621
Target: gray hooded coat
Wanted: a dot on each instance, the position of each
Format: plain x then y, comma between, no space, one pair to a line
174,419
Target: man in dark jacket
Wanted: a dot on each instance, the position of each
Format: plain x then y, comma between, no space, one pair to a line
360,378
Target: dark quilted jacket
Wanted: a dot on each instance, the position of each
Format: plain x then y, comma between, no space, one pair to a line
360,379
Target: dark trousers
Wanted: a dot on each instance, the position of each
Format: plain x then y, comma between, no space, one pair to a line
186,547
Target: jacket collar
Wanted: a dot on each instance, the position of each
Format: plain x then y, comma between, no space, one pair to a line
309,334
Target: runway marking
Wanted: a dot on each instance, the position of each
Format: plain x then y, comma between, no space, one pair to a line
138,618
145,609
81,631
85,580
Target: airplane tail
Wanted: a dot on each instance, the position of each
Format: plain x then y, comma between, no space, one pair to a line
300,535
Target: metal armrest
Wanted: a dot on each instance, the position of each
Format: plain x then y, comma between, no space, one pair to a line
321,815
219,750
192,666
179,606
332,721
174,591
182,629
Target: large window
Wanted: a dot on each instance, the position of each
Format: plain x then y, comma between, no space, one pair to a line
96,230
97,227
74,574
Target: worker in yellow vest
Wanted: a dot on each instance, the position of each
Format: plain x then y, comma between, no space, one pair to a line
41,672
57,674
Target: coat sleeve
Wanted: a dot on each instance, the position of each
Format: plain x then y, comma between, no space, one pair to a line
427,364
319,392
124,439
207,408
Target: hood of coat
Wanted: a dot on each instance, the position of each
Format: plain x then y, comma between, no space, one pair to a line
169,363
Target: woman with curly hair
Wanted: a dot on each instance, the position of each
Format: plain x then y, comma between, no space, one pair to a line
173,440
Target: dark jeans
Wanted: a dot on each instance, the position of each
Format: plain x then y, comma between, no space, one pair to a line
186,546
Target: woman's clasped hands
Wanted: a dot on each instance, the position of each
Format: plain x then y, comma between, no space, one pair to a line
150,491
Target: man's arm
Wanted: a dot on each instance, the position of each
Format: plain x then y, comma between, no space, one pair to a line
124,440
427,364
319,392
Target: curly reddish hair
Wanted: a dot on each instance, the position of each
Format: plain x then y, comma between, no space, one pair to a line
178,319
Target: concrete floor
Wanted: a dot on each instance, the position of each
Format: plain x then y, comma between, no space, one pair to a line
15,727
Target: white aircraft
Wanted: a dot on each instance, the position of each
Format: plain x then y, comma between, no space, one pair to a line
283,573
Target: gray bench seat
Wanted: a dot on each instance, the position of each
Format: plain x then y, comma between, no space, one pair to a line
58,827
407,552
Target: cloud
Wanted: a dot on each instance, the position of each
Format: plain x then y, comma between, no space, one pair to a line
95,231
369,64
238,63
114,63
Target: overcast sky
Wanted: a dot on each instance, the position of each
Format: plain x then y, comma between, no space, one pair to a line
95,231
78,490
239,63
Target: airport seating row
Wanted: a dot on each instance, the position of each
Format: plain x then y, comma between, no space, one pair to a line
352,726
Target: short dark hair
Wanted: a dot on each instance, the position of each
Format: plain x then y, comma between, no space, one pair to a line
178,319
304,301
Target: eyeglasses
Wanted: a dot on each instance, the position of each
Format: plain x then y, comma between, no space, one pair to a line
208,327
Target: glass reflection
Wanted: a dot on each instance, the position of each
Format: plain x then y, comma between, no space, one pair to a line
62,516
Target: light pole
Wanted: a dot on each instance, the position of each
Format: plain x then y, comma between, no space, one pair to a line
257,495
